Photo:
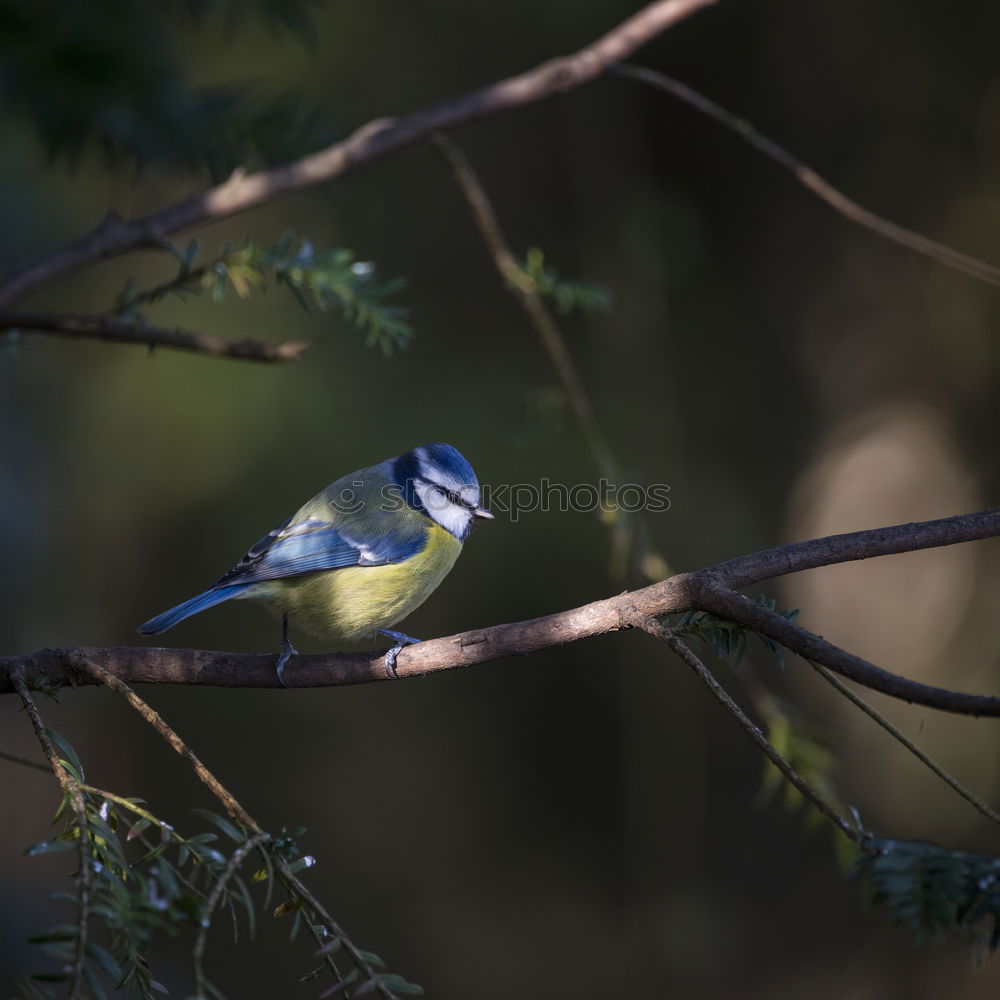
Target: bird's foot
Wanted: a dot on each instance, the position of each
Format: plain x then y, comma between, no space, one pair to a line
400,639
286,652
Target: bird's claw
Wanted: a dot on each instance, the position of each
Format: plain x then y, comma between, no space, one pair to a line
400,639
286,652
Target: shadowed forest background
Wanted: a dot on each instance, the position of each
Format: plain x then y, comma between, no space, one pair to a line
579,823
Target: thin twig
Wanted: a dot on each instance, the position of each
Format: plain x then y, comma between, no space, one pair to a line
107,328
16,758
808,177
133,807
184,278
232,806
655,629
525,291
243,191
297,890
162,859
329,962
228,800
524,288
71,787
974,800
235,860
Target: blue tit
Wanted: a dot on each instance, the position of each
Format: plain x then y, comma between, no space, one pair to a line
358,557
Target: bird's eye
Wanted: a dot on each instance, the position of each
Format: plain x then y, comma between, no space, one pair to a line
456,498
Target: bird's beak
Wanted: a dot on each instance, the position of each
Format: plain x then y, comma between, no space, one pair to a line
482,512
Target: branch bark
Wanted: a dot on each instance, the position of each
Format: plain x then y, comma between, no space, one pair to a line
709,589
107,328
375,139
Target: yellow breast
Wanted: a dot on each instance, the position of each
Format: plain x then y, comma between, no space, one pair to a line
352,603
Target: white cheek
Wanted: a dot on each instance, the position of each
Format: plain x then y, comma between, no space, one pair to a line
439,508
454,519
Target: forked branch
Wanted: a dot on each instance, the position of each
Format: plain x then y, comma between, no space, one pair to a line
711,589
244,191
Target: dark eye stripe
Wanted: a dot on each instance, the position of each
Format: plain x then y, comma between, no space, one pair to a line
455,498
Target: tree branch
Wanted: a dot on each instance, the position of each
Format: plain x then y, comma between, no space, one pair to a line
87,665
377,138
808,792
259,838
707,590
808,178
736,607
627,527
897,734
107,328
70,785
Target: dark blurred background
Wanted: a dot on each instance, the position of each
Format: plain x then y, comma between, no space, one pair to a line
582,822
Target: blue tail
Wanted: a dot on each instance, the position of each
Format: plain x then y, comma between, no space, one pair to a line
170,618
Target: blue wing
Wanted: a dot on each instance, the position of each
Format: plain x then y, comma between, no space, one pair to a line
304,547
293,549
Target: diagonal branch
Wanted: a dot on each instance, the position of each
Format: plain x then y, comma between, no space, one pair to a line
897,734
16,758
107,328
377,138
626,527
811,180
72,788
707,590
88,665
212,902
259,839
657,631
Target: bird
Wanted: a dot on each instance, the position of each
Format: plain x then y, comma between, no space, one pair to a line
359,556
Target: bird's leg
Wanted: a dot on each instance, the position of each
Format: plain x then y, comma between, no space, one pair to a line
287,650
400,639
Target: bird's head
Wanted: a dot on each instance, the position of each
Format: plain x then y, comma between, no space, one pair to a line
437,481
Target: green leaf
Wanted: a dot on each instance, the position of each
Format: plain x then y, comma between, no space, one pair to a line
65,897
65,804
105,959
567,295
397,984
137,828
190,255
50,847
339,987
244,896
330,947
64,933
94,983
68,753
933,889
408,988
223,824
